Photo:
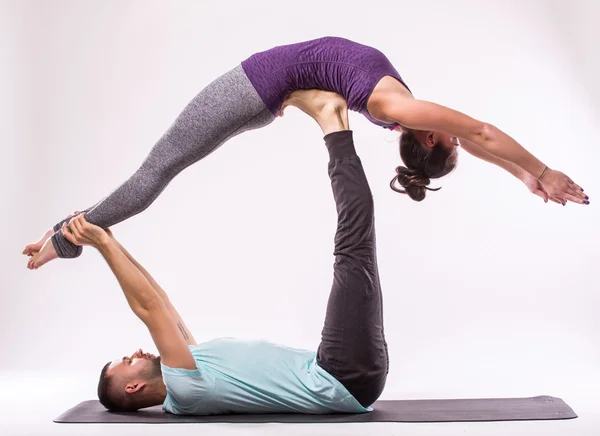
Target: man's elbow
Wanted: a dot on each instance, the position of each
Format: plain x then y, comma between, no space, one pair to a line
147,308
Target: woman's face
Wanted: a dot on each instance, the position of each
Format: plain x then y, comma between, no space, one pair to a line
447,141
430,139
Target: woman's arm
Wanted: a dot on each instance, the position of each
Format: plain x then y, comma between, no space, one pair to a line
423,115
480,153
531,182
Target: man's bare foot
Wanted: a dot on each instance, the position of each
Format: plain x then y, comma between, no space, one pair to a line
32,249
333,117
329,109
45,255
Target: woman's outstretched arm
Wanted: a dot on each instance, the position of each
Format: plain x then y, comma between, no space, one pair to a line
423,115
531,182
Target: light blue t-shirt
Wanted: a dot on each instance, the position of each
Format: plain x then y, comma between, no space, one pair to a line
238,376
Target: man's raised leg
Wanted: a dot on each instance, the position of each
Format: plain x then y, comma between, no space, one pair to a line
353,347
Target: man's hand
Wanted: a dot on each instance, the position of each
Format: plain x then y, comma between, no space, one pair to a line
80,232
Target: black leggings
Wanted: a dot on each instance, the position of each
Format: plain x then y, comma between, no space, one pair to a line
353,347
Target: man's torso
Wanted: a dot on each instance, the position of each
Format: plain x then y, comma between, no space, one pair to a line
236,376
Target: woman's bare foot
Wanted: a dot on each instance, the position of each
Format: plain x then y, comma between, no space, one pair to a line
45,255
32,249
48,252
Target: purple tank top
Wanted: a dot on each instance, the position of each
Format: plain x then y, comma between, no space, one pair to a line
330,63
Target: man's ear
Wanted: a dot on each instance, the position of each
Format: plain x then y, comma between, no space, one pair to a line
133,387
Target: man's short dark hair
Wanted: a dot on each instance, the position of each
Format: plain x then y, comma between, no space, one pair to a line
104,391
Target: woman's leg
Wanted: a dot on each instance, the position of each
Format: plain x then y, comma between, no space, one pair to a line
353,347
228,106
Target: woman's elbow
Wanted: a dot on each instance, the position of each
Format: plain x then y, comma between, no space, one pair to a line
484,134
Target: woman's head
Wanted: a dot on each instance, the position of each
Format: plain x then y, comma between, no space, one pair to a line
427,155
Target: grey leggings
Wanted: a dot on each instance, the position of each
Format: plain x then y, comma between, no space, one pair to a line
225,108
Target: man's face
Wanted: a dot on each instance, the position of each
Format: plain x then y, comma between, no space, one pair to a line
138,365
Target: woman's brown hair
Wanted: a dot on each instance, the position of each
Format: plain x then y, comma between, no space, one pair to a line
422,164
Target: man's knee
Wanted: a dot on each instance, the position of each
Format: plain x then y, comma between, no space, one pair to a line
365,387
370,390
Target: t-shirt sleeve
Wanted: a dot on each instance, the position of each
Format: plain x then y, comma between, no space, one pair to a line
185,389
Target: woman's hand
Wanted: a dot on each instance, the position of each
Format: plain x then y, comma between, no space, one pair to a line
536,188
559,185
80,232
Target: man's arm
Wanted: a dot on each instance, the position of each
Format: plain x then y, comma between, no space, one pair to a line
143,299
185,332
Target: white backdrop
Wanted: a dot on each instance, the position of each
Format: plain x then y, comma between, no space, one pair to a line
487,290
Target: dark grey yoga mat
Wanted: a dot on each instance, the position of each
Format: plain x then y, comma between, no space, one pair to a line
480,409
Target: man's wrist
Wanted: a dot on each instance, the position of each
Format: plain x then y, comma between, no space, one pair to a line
105,244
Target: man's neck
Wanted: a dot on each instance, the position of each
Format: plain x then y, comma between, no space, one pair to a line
158,395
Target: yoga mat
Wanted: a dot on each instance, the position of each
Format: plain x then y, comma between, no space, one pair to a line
482,409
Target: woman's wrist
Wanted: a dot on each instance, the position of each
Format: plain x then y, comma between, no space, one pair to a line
519,172
534,166
505,147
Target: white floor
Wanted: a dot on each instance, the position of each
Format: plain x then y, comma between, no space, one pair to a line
30,401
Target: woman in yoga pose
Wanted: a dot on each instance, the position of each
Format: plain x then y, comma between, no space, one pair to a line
255,92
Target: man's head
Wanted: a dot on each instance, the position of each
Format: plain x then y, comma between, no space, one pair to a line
131,383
